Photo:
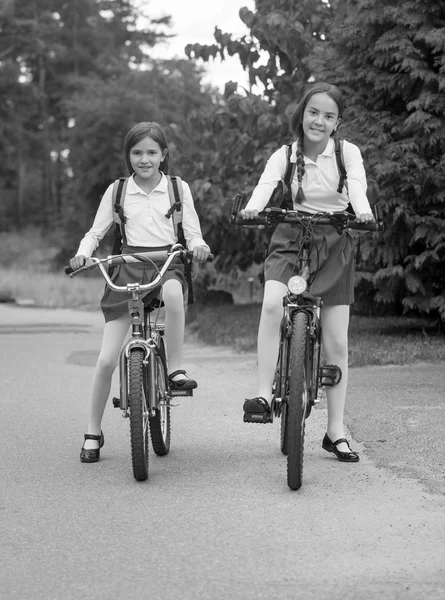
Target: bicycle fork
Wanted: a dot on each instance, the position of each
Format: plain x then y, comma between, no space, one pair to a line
132,344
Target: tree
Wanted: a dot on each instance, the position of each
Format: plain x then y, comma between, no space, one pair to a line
389,58
43,44
275,55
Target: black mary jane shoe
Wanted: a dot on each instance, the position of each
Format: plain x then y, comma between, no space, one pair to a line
90,456
331,446
255,406
181,384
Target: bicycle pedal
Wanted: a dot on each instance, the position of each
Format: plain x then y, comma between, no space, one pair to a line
329,375
258,417
175,393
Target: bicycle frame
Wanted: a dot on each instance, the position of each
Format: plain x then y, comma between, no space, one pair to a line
313,310
149,343
144,335
300,300
145,392
311,305
298,373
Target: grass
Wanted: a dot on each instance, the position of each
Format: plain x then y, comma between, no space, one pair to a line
372,340
51,290
27,273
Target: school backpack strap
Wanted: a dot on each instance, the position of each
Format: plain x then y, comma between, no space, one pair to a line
340,164
288,178
343,182
118,199
176,194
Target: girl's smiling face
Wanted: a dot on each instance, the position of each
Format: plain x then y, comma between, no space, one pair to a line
320,118
146,157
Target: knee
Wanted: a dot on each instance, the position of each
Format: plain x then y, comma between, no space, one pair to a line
336,347
173,298
105,365
272,308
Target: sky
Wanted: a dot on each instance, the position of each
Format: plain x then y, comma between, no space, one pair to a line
194,21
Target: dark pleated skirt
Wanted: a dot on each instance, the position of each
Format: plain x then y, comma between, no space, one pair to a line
332,261
115,304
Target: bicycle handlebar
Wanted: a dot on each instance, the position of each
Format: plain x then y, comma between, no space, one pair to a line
166,256
272,216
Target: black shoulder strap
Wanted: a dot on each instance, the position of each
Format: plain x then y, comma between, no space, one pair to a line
288,178
176,210
119,187
290,167
340,164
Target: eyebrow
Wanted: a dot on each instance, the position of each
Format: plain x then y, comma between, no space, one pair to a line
310,107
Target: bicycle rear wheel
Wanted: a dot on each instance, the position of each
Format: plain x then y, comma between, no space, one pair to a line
283,440
280,386
138,415
297,400
160,424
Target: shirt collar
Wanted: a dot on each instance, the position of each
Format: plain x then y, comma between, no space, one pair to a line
328,151
133,188
330,148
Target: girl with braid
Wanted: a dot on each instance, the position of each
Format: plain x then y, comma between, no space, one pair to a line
315,188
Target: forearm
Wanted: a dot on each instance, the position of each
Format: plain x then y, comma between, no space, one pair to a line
272,174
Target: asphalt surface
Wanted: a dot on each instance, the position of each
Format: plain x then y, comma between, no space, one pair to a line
216,519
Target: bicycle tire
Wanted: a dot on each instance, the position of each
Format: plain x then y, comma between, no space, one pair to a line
283,438
160,422
139,411
297,400
281,386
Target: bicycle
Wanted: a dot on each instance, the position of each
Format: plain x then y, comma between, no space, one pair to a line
298,374
145,394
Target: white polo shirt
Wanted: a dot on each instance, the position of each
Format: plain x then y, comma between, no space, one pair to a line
320,181
146,223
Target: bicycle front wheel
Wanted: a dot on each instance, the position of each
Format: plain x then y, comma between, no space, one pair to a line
297,400
160,425
139,415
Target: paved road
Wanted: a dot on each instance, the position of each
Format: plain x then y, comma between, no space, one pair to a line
216,519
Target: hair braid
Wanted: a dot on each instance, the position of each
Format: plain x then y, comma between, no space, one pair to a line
300,197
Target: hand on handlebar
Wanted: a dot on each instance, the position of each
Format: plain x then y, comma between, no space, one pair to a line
201,253
364,218
251,213
77,262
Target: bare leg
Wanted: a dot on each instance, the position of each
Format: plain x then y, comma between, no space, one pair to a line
112,340
174,323
335,322
269,336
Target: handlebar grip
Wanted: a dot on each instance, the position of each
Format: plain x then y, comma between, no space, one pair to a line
73,272
250,222
372,226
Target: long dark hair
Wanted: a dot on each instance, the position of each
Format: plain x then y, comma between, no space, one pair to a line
138,133
296,124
